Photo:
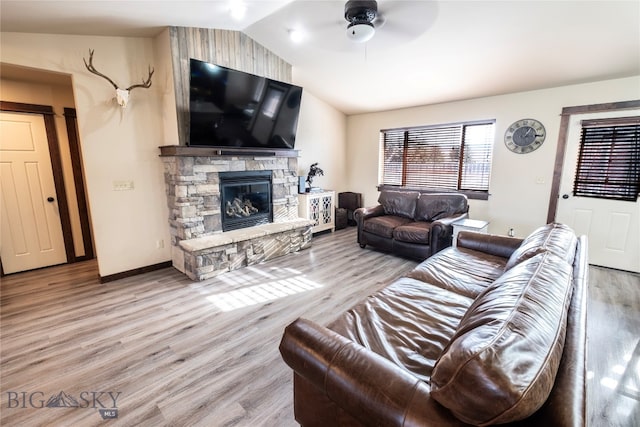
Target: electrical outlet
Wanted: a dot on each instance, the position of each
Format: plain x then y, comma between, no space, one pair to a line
511,233
160,244
122,185
540,180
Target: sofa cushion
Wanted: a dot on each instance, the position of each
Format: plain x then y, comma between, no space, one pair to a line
463,271
400,203
413,232
407,322
435,206
384,225
501,364
554,237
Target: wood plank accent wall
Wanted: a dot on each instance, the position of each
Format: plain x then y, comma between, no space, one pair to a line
232,49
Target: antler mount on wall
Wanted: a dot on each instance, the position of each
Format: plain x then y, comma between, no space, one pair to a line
122,95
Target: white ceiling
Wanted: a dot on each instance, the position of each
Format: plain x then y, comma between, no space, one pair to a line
424,52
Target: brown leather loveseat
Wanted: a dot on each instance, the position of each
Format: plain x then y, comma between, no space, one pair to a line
492,331
410,223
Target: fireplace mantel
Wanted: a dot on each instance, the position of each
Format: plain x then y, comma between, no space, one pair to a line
189,151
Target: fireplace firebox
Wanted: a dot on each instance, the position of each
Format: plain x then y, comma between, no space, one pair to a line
245,198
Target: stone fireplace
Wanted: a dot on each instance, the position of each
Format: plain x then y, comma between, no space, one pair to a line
205,240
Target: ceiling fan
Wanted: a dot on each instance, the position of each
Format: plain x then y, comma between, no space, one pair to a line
382,24
360,14
364,18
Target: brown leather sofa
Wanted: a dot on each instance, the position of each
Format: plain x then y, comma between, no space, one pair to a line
410,223
490,332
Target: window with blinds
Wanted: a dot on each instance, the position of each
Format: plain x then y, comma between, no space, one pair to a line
609,159
451,157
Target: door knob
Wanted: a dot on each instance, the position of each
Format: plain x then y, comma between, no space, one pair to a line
565,196
50,199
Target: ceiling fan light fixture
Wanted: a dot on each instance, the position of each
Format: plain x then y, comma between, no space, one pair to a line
360,14
360,32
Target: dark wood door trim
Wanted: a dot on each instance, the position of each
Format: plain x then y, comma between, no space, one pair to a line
563,134
78,179
56,164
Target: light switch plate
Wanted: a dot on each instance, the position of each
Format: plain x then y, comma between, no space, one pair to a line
122,185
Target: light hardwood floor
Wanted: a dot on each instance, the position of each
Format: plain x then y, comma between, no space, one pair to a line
181,353
613,358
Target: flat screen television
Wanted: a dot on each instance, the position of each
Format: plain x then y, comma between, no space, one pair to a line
234,109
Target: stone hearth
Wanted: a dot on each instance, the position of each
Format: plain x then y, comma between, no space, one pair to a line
200,249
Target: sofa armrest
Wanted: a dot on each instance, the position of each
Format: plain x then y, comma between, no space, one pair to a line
442,232
360,214
502,246
567,403
448,221
362,383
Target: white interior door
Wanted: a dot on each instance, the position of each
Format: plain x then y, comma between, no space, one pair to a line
612,227
31,231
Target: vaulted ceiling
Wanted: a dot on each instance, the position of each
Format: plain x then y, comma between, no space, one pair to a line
423,52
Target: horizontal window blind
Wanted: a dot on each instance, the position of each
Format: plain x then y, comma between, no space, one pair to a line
609,160
392,156
433,157
452,157
478,149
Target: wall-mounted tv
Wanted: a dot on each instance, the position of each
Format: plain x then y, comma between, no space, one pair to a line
234,109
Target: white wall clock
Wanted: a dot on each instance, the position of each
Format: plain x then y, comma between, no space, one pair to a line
525,136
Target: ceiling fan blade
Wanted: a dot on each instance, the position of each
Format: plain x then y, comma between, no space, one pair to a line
400,30
409,18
